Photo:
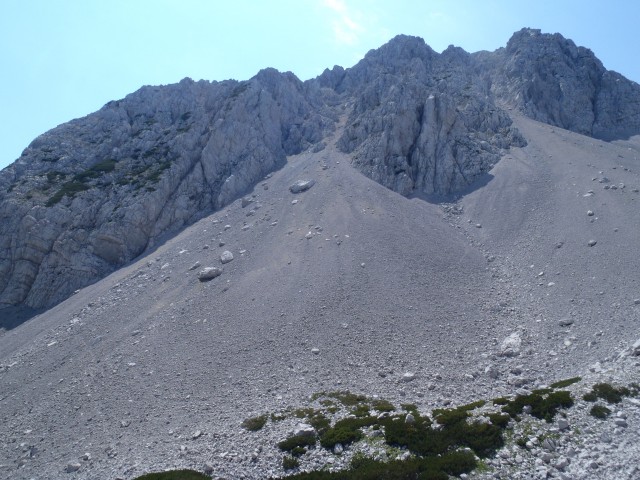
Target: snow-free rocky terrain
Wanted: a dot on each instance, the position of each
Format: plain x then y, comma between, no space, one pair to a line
470,232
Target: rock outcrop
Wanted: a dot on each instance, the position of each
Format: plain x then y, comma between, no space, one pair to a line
421,121
89,196
552,80
92,194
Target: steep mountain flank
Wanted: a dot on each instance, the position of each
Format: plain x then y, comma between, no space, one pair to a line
91,195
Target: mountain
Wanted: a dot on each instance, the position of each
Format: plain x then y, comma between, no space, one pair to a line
467,232
95,193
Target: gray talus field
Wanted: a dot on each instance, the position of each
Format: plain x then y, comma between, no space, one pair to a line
346,285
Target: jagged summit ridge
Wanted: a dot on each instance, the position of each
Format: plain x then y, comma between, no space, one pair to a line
88,196
550,79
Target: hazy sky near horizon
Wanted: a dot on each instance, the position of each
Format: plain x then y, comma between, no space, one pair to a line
63,59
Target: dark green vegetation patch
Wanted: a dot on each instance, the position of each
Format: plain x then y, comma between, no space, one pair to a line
609,393
297,442
600,411
175,475
544,404
566,383
289,463
69,189
254,424
433,468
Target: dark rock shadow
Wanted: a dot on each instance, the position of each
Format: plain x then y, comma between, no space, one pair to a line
12,317
480,182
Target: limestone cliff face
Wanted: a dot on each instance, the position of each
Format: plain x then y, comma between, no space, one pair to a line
552,80
92,194
421,121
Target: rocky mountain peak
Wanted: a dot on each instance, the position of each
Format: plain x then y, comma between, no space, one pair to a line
552,80
92,194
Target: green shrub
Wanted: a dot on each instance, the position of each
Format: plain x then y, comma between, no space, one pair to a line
543,405
453,463
254,424
565,383
319,421
345,431
499,419
361,410
607,392
600,411
297,441
289,463
382,405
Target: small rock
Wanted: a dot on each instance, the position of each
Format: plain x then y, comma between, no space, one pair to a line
72,467
549,445
510,346
209,273
305,430
246,202
590,213
338,448
620,422
315,351
563,425
408,376
197,434
492,372
309,236
410,418
562,463
301,186
194,266
565,322
226,257
208,468
227,227
592,243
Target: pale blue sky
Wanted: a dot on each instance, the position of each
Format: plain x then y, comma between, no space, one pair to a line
63,59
